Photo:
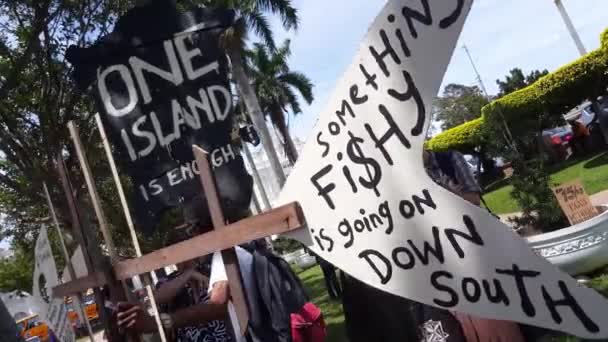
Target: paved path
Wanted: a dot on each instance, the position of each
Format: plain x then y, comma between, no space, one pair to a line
596,199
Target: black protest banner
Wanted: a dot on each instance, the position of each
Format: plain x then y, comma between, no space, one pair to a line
160,81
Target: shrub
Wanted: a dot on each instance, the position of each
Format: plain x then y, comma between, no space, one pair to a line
463,138
532,191
537,106
555,93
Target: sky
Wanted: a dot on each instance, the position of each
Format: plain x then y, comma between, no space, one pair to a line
500,35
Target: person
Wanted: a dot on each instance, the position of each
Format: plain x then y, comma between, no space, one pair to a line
194,307
580,134
375,315
451,171
331,279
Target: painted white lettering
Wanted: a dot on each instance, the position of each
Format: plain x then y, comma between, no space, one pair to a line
173,177
203,104
178,119
227,152
106,98
149,136
163,140
187,55
127,141
157,188
174,76
216,159
144,193
186,171
195,168
219,114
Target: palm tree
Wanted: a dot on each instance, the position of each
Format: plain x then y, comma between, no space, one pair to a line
252,17
276,87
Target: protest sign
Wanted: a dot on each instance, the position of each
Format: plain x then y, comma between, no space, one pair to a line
55,313
575,202
373,211
160,80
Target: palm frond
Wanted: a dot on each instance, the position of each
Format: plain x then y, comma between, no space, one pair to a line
285,10
258,23
280,57
292,101
300,82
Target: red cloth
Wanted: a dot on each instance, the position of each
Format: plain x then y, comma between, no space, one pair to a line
307,325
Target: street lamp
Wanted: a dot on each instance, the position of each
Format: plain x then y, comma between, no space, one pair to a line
571,29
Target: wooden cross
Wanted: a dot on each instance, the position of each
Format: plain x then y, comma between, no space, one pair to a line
222,238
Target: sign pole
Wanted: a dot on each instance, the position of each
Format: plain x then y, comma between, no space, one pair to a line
92,189
66,254
79,234
130,225
95,199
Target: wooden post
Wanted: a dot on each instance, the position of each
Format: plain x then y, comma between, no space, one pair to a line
119,188
96,200
130,225
68,259
78,234
229,255
88,177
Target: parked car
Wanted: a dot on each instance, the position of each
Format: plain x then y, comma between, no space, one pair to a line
556,142
559,135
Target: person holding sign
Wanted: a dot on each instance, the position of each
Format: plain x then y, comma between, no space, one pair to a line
194,301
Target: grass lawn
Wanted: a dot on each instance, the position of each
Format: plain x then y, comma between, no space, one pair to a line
332,310
592,170
334,317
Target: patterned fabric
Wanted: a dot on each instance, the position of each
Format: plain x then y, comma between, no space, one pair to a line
432,331
463,177
214,331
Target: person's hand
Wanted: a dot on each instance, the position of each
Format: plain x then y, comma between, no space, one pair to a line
220,293
132,316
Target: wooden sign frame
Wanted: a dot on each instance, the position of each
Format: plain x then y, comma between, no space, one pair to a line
223,238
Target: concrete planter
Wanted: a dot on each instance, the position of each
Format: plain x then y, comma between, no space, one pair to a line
577,249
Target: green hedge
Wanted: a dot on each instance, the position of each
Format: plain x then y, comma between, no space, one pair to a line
462,138
553,94
557,92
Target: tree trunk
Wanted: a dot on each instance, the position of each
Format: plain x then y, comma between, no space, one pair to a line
256,176
290,147
254,110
